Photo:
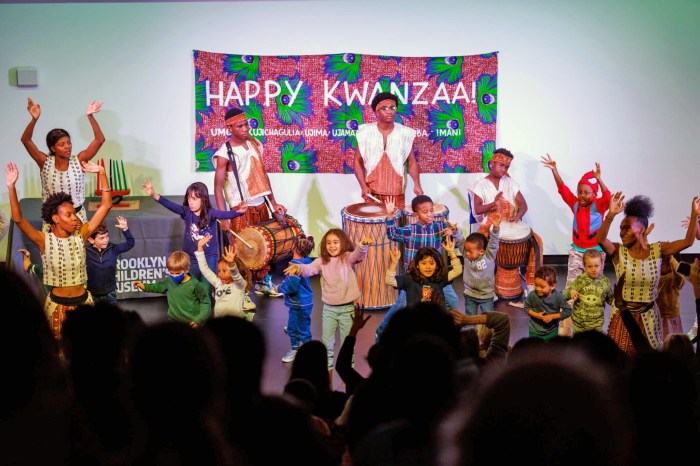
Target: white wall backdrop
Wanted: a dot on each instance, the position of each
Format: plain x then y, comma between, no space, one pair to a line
608,81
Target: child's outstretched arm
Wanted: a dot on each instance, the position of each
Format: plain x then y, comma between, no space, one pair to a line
304,270
157,287
390,277
549,162
456,271
130,241
207,273
599,179
230,257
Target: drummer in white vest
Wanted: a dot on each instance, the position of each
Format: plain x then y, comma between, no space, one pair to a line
384,148
499,193
241,177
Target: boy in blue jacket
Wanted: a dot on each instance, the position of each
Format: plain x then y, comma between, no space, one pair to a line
298,297
101,261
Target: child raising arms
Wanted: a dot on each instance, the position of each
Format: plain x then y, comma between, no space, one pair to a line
229,285
427,274
339,288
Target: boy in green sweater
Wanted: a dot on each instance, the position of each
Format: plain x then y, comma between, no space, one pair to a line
188,299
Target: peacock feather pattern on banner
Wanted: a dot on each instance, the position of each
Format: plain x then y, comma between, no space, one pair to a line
301,107
447,125
296,158
447,69
402,110
343,122
488,55
455,169
289,57
388,57
254,112
487,149
203,156
486,92
201,109
345,66
243,67
346,169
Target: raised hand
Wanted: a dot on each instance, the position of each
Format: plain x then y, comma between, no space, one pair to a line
596,172
11,174
148,186
496,220
448,244
293,269
367,240
451,226
549,162
33,109
203,241
685,223
89,167
229,255
93,107
617,203
695,206
395,254
122,223
390,206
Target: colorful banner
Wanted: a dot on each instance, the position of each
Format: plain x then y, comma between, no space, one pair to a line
306,109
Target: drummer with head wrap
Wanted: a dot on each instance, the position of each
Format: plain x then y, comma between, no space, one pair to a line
383,150
499,193
241,178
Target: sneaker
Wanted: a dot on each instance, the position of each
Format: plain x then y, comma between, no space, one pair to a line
289,357
267,288
248,304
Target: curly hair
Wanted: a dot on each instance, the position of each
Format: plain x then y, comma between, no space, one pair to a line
641,208
547,274
504,151
304,244
477,238
50,206
440,265
346,244
244,271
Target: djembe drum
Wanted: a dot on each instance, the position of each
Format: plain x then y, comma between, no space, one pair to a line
514,245
267,242
366,220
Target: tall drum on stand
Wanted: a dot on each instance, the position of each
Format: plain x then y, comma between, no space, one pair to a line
367,220
514,245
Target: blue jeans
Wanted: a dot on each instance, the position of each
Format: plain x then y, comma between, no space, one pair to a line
472,305
451,302
299,326
110,298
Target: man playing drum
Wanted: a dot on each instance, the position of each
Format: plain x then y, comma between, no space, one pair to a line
498,192
241,177
383,148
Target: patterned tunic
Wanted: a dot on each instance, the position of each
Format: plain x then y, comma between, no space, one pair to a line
641,286
71,181
385,165
64,260
251,174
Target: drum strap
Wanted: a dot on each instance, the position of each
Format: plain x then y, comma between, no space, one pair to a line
234,167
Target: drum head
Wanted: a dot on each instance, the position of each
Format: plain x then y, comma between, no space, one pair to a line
513,231
258,254
366,210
